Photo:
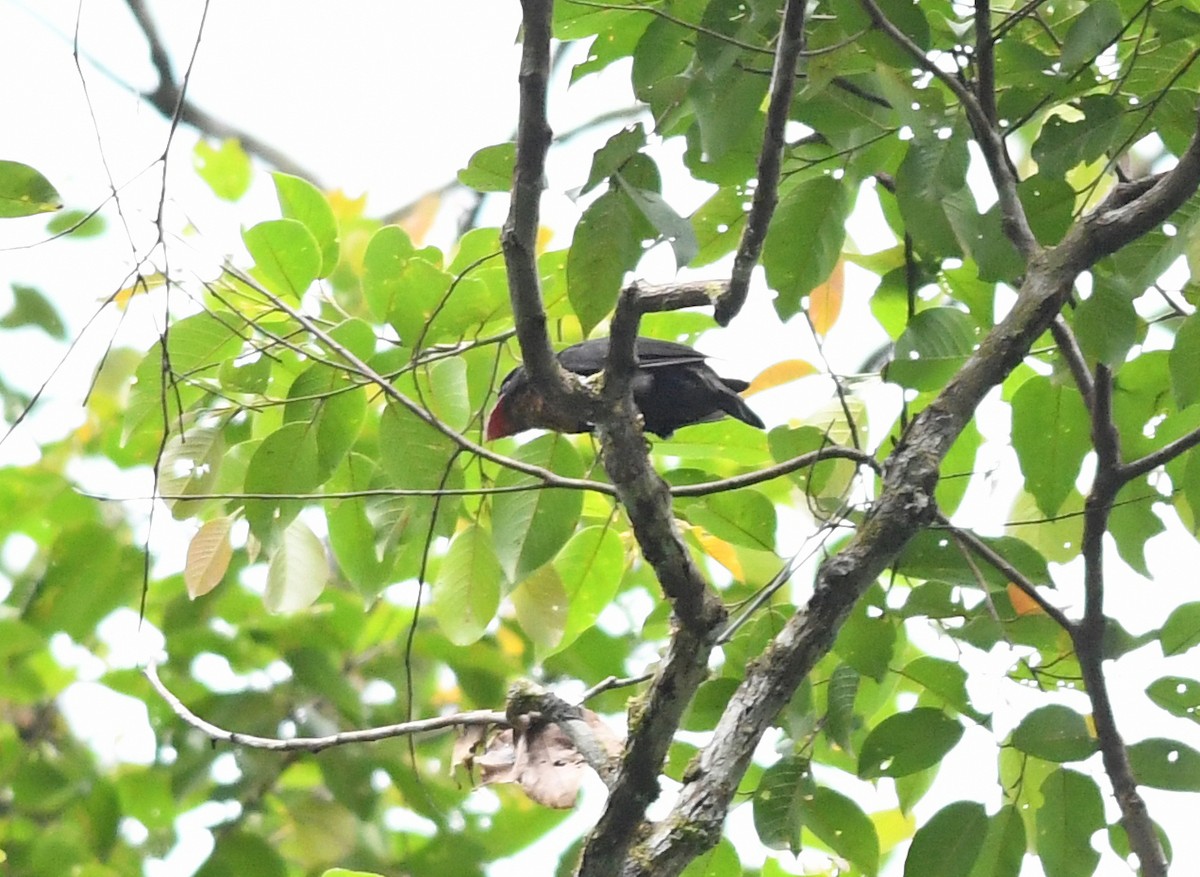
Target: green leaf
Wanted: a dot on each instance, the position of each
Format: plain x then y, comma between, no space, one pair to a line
717,224
778,807
933,348
302,201
605,246
540,602
24,191
286,255
466,593
805,240
387,253
709,703
743,517
531,526
285,463
933,169
1184,362
226,168
1165,764
326,399
947,681
1054,733
1133,523
721,861
77,223
611,157
867,641
672,227
1096,28
907,742
490,169
949,843
1106,324
841,825
351,532
298,570
31,308
448,397
1003,846
1182,630
1051,434
590,566
1071,812
1063,144
839,716
1177,695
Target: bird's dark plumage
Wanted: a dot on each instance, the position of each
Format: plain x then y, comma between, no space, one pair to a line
672,387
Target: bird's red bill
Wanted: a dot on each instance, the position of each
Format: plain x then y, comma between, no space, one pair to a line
498,425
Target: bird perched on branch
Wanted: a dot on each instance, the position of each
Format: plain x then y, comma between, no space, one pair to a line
672,387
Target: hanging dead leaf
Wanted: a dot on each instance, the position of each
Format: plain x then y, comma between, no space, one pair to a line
542,760
468,740
780,373
825,302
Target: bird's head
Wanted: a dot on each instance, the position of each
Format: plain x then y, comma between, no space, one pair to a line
515,404
520,406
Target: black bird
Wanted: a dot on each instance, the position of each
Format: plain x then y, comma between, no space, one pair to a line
672,387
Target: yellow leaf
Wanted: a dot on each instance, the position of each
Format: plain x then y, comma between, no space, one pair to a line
345,207
720,551
1022,602
544,236
780,373
509,641
141,285
825,302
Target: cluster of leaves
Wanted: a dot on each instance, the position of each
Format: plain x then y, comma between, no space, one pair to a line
317,409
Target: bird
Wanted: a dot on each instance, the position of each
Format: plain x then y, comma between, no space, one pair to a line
672,387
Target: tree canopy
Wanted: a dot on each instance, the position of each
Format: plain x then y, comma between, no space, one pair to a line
392,647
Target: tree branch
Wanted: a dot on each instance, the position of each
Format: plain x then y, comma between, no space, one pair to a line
1088,635
770,157
1068,346
316,744
518,238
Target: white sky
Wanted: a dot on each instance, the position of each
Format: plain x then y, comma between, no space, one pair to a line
390,99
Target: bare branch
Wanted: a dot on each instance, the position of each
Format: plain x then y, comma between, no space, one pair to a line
1088,636
316,744
1163,455
766,192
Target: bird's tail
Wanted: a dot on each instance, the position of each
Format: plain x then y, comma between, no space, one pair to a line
735,406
